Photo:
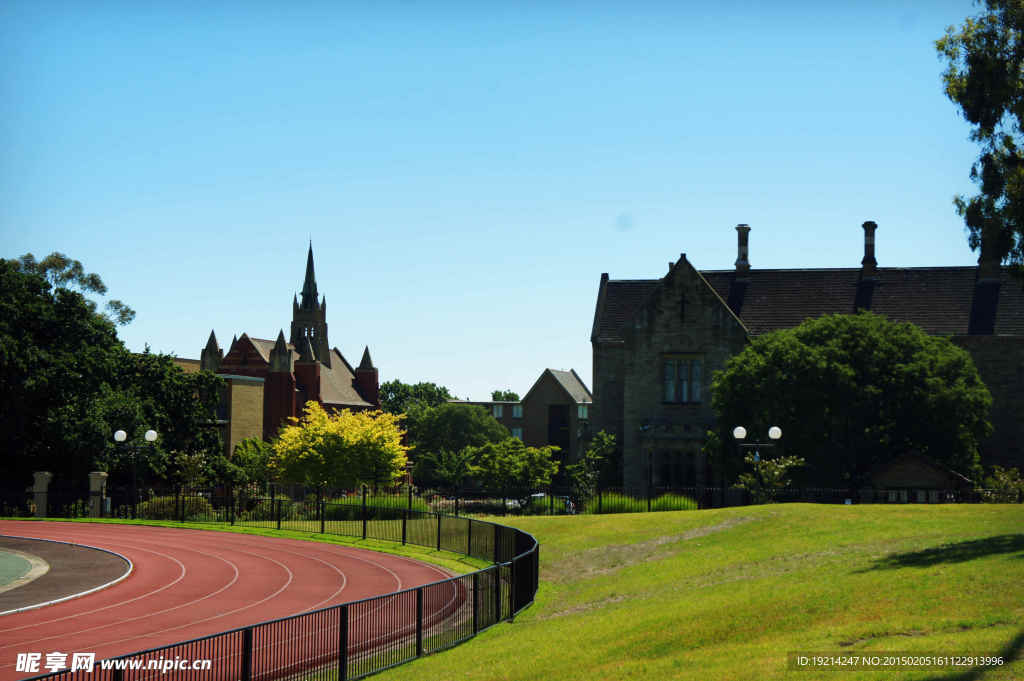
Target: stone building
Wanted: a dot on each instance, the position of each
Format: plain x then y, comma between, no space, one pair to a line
268,381
555,411
657,342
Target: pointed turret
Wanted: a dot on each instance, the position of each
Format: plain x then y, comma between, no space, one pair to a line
367,381
212,355
305,350
309,293
280,355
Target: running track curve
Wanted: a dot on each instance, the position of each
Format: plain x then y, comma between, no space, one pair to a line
190,583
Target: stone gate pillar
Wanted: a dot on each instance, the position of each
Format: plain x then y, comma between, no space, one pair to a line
40,491
97,492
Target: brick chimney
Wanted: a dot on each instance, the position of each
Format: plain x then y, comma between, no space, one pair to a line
868,270
743,235
985,303
869,266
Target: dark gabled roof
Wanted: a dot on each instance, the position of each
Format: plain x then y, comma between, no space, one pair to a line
573,385
622,298
938,299
336,381
569,381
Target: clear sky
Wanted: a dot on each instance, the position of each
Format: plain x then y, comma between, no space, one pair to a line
465,170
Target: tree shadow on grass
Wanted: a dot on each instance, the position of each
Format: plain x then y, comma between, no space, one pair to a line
1010,652
960,552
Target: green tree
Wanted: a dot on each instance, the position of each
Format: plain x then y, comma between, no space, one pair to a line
1004,485
504,396
341,450
452,427
67,383
767,476
852,391
402,398
253,456
585,473
512,467
444,470
63,272
985,63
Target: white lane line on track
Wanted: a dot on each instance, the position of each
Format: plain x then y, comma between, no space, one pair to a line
112,605
112,582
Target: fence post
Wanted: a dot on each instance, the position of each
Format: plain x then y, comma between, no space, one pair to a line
364,512
277,512
512,600
497,544
476,589
497,593
438,531
247,654
456,506
231,505
343,644
405,521
469,537
419,622
323,514
410,498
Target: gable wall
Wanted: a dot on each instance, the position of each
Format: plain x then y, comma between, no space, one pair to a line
656,433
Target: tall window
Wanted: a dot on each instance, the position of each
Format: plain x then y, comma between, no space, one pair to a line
682,379
517,411
517,432
581,412
498,410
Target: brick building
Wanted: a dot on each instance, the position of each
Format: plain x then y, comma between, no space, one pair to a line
657,342
269,381
555,411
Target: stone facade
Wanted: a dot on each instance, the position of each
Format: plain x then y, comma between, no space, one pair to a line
655,340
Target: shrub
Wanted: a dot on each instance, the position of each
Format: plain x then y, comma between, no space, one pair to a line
616,502
166,508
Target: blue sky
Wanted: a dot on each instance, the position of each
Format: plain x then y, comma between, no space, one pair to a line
466,171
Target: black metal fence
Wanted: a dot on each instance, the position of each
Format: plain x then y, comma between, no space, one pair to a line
354,639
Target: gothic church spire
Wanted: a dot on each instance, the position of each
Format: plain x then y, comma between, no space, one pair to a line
309,292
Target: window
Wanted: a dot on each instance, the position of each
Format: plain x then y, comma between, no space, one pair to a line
517,432
682,379
517,411
581,412
498,410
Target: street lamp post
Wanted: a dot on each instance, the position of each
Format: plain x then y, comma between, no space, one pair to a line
120,436
740,433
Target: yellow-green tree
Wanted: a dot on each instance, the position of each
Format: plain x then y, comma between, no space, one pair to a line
341,450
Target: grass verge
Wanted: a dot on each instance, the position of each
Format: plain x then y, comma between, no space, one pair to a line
728,594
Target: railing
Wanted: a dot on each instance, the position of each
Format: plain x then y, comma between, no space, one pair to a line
354,639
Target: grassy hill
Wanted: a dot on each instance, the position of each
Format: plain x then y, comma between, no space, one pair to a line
728,594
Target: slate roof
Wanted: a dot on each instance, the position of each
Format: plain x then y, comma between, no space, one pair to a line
573,385
336,381
938,299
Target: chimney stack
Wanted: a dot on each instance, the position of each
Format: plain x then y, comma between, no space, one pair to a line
869,266
742,263
988,263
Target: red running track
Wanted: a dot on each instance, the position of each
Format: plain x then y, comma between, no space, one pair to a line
191,583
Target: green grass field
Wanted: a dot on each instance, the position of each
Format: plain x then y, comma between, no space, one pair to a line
727,594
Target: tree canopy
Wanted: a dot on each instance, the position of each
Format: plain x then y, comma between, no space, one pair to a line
505,396
453,427
852,391
67,383
341,450
402,398
985,79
